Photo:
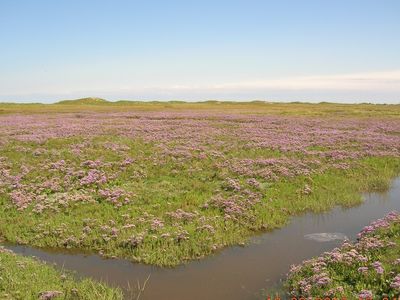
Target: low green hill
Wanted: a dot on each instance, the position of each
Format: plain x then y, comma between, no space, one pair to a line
85,101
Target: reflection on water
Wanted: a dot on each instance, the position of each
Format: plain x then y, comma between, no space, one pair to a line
326,236
237,272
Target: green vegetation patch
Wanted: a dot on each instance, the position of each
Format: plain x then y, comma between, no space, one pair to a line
26,278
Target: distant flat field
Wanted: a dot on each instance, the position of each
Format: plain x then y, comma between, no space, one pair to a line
255,107
163,183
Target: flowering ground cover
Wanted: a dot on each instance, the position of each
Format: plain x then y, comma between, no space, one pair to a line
366,269
26,278
163,187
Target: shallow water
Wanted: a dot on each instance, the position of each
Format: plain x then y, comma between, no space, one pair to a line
236,272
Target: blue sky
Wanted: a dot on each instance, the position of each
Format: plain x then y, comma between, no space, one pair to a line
341,51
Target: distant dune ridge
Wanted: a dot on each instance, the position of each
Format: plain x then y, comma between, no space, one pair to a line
87,100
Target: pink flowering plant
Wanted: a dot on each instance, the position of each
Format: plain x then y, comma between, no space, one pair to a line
366,269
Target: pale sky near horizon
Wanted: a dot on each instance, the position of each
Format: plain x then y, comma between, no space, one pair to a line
309,50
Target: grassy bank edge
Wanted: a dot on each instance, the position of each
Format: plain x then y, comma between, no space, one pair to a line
27,278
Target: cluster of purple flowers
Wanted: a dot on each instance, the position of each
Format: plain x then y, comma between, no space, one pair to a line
395,284
94,177
380,223
365,294
181,215
116,196
378,267
156,224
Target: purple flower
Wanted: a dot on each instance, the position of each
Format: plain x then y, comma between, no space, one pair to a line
378,267
49,295
321,279
93,176
156,224
253,182
232,184
380,223
365,294
396,283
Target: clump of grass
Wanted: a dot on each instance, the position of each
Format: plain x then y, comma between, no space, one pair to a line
27,278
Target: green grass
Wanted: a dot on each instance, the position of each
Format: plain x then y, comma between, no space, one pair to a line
26,278
252,107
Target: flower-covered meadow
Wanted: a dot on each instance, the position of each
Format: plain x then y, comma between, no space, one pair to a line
366,269
165,187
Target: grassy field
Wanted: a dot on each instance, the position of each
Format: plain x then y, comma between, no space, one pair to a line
366,269
26,278
254,107
163,183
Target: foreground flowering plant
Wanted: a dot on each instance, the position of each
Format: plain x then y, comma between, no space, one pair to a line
366,269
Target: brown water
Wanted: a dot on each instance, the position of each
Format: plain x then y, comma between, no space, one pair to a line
237,272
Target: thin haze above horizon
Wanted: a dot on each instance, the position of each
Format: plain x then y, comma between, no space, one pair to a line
337,51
